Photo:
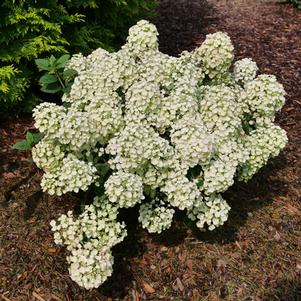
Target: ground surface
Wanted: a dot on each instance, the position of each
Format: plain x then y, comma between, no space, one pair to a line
255,256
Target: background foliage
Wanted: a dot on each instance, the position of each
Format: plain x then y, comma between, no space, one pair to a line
297,3
30,29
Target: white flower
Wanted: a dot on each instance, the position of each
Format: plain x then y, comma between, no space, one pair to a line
124,189
245,70
142,39
216,54
155,216
212,211
191,140
89,242
48,155
262,144
263,96
71,174
48,117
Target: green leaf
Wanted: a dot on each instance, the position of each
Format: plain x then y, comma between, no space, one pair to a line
29,138
66,105
103,168
51,88
48,79
43,64
69,73
52,60
22,145
61,62
68,88
37,137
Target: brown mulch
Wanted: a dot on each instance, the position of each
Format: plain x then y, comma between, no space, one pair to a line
255,256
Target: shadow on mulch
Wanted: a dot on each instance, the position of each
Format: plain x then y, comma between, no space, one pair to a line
285,290
180,27
242,206
118,285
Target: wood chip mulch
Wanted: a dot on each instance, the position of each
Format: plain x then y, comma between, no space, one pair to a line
255,256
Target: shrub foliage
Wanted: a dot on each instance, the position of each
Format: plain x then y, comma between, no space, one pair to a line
297,3
30,29
141,128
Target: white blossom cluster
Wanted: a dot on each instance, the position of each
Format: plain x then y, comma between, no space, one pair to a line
216,54
124,189
245,70
191,140
48,155
180,191
71,174
143,126
263,143
263,96
155,216
213,212
48,117
220,112
89,239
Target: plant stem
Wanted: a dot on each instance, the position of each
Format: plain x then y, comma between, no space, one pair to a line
60,80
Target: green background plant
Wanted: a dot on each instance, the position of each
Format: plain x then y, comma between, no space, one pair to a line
31,29
297,3
56,79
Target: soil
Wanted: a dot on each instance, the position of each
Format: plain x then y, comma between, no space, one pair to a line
254,256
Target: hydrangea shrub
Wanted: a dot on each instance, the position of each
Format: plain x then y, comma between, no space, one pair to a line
141,128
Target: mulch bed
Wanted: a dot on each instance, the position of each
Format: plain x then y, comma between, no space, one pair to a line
255,256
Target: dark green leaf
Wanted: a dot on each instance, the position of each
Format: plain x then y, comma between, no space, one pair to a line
61,62
51,88
37,137
67,89
66,105
103,168
22,145
69,73
29,138
43,64
48,79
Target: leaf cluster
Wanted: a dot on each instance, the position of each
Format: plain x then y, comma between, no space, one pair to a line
31,29
26,144
56,78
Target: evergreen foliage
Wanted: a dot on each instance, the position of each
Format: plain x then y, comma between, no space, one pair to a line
31,29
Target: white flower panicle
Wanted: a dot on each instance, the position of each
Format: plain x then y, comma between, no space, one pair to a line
245,70
155,216
264,96
90,267
48,118
71,174
154,131
216,54
191,140
213,212
89,239
220,112
181,192
124,189
48,155
142,38
262,144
